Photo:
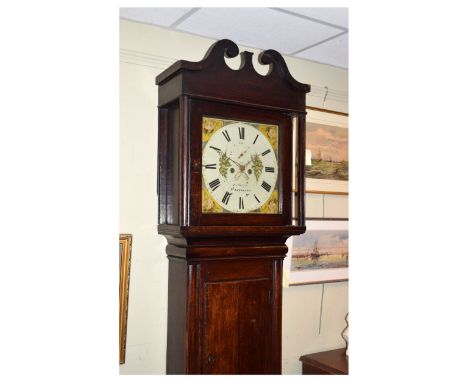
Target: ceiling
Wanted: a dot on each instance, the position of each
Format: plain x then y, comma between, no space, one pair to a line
315,34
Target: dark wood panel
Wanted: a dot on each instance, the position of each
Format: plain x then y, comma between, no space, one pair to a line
277,315
220,354
176,317
162,167
236,270
193,356
184,160
172,165
255,332
224,250
232,231
313,370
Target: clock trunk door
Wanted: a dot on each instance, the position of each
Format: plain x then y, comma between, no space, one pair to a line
238,330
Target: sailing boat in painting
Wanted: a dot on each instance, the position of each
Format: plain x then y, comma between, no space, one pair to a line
319,249
326,152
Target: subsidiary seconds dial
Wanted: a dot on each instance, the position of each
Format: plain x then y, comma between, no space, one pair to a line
240,167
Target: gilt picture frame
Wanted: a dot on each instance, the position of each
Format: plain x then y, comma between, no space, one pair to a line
327,159
320,255
125,253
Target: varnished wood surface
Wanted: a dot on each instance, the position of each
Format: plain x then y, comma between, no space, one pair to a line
176,353
220,335
228,270
212,77
328,362
251,306
168,176
231,231
254,319
226,252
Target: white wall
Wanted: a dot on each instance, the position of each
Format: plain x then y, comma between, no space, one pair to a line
145,51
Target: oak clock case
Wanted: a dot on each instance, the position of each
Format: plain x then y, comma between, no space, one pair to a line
225,170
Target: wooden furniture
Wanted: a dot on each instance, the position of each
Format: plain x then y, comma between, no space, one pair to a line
226,220
328,362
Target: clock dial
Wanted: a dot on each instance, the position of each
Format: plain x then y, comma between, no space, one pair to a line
239,167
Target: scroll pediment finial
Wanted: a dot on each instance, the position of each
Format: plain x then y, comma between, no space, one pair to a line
278,66
222,48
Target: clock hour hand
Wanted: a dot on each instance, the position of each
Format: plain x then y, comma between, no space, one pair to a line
237,164
242,167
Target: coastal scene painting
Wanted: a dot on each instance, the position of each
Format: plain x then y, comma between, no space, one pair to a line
321,248
326,152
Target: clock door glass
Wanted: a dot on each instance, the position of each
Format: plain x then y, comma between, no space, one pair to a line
240,167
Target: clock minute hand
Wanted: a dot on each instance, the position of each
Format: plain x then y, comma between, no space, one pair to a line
242,154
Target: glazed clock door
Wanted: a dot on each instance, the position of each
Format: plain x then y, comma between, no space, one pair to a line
240,170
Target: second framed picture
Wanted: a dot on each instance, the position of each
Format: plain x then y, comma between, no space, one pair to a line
320,254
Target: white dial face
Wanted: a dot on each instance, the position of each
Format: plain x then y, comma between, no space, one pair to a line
240,168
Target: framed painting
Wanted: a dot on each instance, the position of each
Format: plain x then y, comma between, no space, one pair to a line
326,153
320,254
125,252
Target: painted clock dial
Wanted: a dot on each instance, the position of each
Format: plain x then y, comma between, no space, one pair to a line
239,167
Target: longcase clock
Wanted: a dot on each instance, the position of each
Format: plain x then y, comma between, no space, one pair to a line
230,151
